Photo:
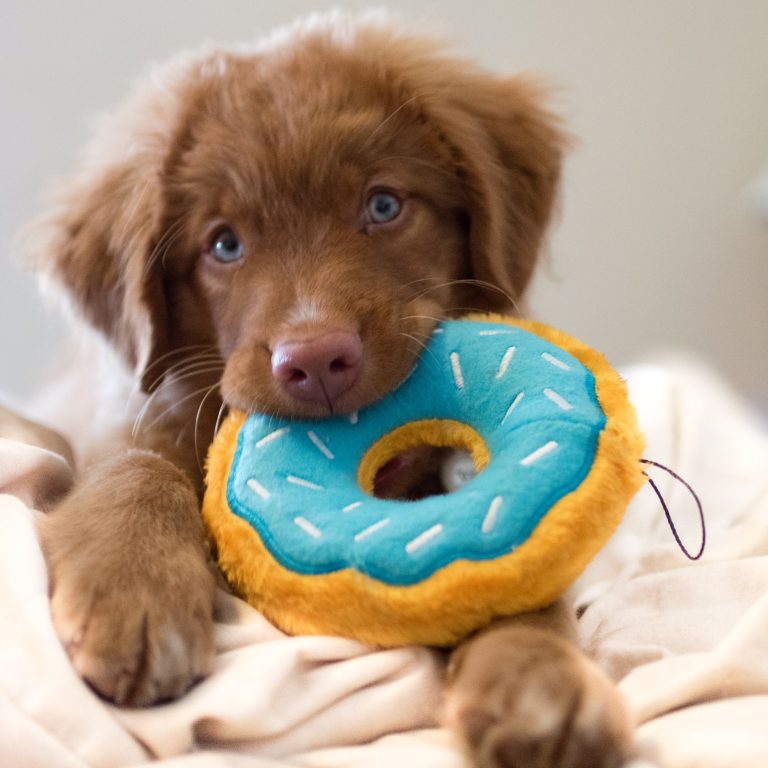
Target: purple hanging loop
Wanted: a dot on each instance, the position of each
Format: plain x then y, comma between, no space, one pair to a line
669,516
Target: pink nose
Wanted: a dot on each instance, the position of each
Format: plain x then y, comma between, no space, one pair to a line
319,370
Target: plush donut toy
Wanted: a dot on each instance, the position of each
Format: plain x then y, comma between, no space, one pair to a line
554,440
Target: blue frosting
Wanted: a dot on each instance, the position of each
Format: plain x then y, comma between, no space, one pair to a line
535,405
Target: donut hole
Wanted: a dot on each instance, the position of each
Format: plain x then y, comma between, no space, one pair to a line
419,472
423,458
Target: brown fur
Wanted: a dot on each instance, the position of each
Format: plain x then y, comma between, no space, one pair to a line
283,142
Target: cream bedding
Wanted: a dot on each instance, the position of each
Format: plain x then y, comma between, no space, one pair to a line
686,641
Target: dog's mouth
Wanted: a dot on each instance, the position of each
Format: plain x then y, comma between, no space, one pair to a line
293,384
272,400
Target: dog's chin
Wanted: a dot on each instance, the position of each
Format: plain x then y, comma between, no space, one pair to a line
292,408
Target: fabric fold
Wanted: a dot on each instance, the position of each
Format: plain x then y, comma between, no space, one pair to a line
685,641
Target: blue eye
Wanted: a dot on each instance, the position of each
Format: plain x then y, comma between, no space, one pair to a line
382,207
226,246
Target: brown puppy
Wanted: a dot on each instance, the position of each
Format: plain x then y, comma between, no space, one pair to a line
279,229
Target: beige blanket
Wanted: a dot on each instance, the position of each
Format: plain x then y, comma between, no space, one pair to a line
687,642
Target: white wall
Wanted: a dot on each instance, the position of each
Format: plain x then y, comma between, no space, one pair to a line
656,244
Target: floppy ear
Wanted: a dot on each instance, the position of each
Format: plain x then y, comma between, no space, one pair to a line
505,145
95,245
99,244
507,148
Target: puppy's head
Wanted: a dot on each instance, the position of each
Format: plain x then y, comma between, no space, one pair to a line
310,207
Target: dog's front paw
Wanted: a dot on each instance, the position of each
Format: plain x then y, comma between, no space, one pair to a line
132,596
525,698
135,644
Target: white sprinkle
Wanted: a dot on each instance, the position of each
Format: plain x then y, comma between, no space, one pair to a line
505,362
353,417
554,361
371,529
304,483
492,515
353,505
307,527
407,376
520,396
539,453
321,446
494,333
272,436
458,376
557,399
423,538
258,488
438,330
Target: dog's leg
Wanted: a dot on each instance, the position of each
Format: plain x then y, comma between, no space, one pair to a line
132,593
521,693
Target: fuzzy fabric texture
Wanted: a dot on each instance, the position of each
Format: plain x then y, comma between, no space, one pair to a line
545,417
684,640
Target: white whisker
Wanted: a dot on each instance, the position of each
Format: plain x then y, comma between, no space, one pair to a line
222,408
212,389
390,116
175,404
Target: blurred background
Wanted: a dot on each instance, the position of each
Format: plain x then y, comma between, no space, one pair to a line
660,242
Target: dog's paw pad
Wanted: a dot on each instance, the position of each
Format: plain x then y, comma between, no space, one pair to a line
544,710
137,650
